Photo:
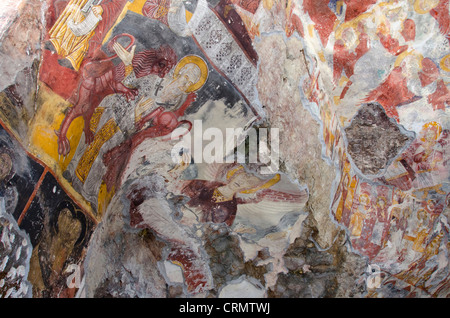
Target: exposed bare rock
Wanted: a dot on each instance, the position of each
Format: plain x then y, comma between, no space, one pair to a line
373,139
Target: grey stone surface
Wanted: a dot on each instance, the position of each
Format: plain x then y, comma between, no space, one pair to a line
374,139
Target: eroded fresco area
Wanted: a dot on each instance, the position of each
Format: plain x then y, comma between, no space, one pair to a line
103,194
392,191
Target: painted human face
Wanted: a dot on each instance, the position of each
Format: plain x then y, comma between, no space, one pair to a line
426,5
345,182
430,135
5,165
381,203
69,228
407,212
162,67
410,66
188,75
364,200
243,181
349,37
395,213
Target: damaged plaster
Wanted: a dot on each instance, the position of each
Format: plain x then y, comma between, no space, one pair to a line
121,176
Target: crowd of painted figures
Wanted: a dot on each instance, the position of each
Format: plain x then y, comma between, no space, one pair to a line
131,89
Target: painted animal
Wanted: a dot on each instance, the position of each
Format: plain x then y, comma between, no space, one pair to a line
100,78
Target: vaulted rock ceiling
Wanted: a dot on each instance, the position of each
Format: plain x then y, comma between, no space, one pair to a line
224,148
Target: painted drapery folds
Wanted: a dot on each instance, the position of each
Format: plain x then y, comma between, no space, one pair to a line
244,148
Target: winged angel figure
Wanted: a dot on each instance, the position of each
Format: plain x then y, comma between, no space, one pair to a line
175,203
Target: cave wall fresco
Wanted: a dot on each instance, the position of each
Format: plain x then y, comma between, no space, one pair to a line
334,76
403,42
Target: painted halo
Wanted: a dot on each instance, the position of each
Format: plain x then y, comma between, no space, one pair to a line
194,59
